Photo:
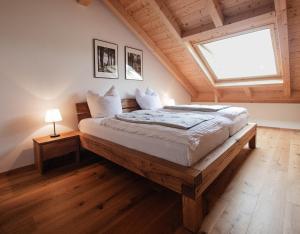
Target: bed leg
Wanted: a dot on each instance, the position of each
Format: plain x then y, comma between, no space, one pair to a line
192,213
252,142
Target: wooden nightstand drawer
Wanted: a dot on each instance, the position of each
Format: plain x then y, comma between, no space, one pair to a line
60,148
47,147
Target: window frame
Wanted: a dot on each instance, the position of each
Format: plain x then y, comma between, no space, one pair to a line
276,49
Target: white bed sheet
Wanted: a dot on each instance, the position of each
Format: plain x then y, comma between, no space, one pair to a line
168,150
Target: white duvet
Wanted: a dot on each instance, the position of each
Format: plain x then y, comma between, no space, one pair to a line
230,112
181,120
234,117
190,137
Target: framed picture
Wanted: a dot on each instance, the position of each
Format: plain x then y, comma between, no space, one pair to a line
105,59
133,64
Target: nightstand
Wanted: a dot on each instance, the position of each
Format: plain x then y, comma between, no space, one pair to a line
46,147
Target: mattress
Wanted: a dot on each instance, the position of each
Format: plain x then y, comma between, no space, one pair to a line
172,151
238,123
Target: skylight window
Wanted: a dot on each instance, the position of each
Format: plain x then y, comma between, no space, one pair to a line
250,55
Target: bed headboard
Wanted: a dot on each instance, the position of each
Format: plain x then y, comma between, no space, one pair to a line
83,110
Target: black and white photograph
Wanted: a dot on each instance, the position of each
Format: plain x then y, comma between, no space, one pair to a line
134,64
105,59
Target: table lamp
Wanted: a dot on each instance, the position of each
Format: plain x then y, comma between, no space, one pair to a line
53,116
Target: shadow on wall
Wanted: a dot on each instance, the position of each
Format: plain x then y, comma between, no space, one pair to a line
21,125
24,156
13,135
16,155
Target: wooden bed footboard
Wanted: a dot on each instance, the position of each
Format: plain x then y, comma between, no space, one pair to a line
190,182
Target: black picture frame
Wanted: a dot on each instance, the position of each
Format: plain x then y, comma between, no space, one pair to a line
105,59
133,64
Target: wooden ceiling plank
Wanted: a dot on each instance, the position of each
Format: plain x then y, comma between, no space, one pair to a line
84,2
131,5
282,30
167,18
248,14
243,25
118,9
215,12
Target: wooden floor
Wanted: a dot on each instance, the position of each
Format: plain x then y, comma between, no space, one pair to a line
262,195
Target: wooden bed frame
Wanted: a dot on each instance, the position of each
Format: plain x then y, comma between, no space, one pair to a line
190,182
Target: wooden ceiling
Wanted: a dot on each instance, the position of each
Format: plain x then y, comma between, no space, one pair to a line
170,29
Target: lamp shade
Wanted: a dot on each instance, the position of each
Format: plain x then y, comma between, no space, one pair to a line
52,116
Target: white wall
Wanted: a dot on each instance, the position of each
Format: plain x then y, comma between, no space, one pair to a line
46,60
273,114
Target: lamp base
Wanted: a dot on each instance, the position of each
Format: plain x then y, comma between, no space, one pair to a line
56,135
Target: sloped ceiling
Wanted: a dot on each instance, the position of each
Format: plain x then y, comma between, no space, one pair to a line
170,27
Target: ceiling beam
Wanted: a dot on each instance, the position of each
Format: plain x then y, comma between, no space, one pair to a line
118,9
266,8
229,29
166,16
84,2
200,63
282,31
215,12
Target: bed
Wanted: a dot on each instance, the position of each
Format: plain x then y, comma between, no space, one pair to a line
189,178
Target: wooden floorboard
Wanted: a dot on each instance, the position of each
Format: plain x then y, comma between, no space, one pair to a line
258,193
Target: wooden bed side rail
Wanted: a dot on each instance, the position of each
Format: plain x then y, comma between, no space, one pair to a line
193,207
217,161
213,164
163,172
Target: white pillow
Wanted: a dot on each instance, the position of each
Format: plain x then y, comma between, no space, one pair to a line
104,106
148,100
